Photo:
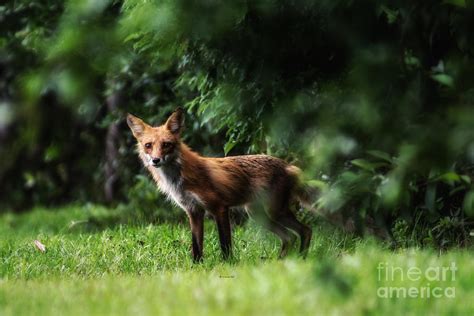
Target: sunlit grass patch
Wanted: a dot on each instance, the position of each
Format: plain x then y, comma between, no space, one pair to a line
147,270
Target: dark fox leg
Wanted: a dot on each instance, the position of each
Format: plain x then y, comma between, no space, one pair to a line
289,221
196,221
225,236
286,237
280,212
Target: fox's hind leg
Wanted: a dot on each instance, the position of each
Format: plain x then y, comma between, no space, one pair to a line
287,238
289,220
280,212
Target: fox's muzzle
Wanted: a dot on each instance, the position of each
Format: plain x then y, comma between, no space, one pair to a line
159,162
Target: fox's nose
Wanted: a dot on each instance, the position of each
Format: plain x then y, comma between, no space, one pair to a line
156,161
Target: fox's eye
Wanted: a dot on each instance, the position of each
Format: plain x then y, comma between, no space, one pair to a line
166,144
148,145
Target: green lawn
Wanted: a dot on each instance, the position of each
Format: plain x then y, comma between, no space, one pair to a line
91,269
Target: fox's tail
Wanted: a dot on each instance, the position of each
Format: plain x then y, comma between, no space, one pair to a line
302,193
307,197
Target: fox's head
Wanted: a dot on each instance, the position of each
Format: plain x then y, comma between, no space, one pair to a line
159,145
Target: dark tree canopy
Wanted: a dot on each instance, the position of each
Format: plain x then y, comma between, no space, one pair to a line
373,99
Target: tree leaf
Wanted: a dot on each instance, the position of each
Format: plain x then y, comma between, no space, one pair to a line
367,165
444,79
381,155
449,177
458,3
468,205
228,146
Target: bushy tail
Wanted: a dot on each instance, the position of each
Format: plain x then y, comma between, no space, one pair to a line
307,196
302,193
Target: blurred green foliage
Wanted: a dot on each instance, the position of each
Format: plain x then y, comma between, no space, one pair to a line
372,98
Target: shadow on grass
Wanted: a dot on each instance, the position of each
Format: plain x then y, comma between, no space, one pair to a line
89,218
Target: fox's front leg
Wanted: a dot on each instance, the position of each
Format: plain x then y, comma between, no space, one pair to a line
196,221
223,227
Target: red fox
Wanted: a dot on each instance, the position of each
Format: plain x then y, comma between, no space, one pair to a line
197,183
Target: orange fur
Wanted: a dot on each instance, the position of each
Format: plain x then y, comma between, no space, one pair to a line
196,183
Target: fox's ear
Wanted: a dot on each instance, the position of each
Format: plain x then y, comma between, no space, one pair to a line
136,125
175,122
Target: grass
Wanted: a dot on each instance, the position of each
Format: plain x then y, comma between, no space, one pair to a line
144,269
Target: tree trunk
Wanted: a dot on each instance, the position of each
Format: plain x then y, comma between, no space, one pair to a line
111,149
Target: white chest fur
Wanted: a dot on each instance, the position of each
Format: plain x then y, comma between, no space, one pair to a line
171,183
